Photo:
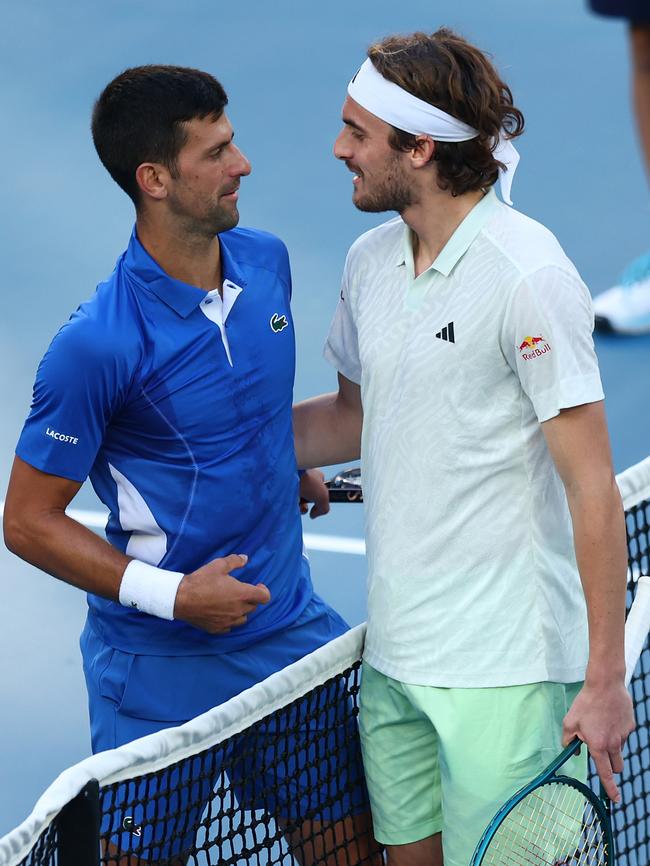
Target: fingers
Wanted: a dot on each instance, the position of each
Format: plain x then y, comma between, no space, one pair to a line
262,594
605,770
252,594
321,499
234,560
608,759
569,731
313,489
616,759
242,620
320,508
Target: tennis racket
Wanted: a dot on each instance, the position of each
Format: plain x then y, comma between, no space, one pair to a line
346,486
555,819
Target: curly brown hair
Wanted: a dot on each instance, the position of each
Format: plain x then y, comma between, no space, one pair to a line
446,71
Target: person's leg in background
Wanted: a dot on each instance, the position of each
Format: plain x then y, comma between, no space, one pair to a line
625,308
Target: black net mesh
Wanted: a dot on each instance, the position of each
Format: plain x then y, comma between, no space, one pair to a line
632,818
45,851
289,789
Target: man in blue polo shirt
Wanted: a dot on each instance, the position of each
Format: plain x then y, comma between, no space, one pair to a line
171,388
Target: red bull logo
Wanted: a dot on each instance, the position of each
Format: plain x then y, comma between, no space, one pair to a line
534,347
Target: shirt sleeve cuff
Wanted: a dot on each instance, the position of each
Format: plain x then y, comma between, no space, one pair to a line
51,467
566,394
348,369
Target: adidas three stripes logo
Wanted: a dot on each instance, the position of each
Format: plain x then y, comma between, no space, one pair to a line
447,333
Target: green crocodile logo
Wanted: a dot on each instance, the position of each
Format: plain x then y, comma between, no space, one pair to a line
278,323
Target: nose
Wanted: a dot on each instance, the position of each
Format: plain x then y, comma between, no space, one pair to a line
242,164
341,146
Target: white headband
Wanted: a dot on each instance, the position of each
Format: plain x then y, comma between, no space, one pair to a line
401,109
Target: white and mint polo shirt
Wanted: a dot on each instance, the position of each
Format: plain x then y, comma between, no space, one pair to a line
177,404
472,574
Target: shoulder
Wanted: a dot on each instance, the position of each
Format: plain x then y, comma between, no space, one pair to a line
102,331
526,244
255,247
377,244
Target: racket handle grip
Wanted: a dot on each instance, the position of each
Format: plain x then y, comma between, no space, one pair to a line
637,626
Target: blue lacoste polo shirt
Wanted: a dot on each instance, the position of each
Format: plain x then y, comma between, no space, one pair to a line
177,405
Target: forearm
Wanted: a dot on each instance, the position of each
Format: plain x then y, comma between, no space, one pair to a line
327,430
601,553
601,715
69,551
209,598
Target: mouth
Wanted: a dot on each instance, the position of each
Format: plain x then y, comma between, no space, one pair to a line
233,195
358,175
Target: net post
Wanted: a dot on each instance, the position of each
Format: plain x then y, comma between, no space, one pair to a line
78,828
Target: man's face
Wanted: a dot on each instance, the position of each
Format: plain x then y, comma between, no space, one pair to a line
380,181
209,168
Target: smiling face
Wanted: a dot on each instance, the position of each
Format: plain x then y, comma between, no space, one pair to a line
380,175
202,192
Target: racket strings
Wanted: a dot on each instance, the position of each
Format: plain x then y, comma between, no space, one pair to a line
555,825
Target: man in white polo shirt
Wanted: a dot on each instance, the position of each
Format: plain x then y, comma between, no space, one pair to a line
469,384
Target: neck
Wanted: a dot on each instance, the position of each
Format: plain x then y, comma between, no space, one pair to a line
185,255
433,219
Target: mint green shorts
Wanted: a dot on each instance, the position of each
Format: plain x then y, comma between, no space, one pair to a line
444,760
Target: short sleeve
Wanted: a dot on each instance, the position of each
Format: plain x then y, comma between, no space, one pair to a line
76,392
342,344
547,341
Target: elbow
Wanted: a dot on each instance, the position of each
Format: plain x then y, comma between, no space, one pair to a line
15,532
600,486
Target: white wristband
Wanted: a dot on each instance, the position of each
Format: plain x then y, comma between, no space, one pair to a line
150,589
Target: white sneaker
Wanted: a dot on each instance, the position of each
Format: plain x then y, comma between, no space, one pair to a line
625,308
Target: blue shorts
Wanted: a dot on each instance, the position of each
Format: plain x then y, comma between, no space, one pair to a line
131,696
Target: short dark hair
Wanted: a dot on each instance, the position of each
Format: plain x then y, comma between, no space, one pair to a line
139,117
450,73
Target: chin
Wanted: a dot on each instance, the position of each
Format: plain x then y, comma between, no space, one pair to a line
359,202
370,206
233,219
224,221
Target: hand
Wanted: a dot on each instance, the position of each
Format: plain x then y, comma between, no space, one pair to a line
211,599
312,489
602,717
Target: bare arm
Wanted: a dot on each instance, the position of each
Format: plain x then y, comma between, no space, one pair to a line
327,429
37,529
602,713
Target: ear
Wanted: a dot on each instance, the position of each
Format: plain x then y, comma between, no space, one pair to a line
152,178
423,152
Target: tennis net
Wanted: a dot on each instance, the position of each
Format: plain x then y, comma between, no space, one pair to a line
274,775
631,819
